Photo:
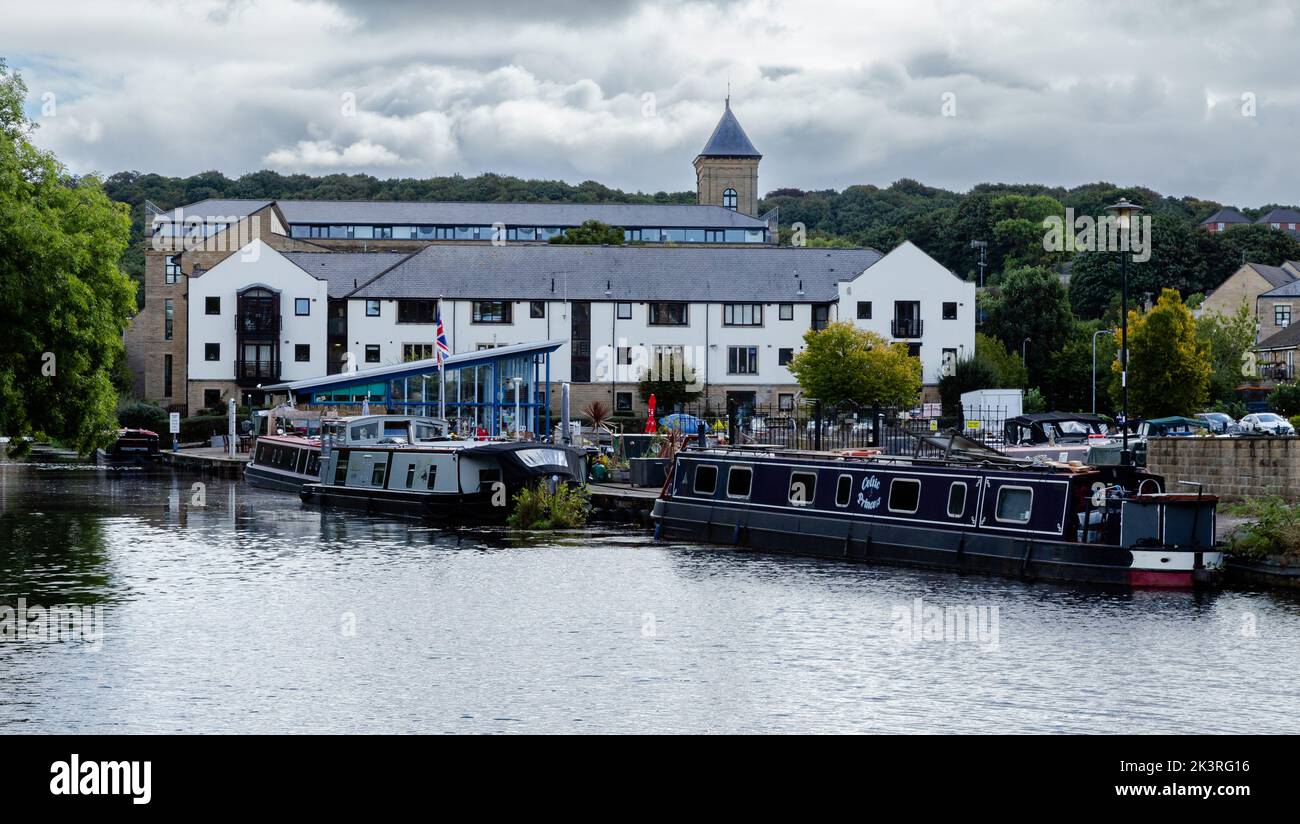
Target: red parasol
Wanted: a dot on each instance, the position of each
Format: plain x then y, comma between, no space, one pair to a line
650,426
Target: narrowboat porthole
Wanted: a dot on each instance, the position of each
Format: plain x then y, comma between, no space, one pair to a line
904,495
844,490
706,479
1014,504
739,479
957,500
803,486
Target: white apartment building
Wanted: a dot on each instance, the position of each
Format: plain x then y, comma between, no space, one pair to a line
731,318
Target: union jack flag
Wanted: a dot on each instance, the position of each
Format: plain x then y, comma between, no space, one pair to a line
440,348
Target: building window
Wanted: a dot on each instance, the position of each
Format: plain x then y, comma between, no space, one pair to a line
622,401
212,351
372,308
785,311
171,270
668,314
785,402
667,363
169,318
624,356
212,305
302,352
821,316
211,398
914,350
492,311
372,353
742,360
948,363
302,306
1282,314
742,314
623,311
416,351
729,199
167,376
784,356
950,310
414,311
864,310
537,309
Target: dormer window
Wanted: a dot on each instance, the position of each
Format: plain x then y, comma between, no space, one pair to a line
729,199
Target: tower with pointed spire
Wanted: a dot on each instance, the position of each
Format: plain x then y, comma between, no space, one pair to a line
726,169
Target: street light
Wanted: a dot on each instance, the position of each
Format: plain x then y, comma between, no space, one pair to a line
1123,212
1094,364
1024,346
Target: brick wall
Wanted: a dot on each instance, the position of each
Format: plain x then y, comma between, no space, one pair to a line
1233,468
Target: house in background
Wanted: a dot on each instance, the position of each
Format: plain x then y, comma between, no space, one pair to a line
1222,219
1246,285
1275,356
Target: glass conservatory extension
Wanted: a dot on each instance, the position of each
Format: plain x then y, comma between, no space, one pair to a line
483,389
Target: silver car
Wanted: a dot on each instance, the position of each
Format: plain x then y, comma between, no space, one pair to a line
1267,423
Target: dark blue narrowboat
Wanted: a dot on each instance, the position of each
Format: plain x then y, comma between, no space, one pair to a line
971,510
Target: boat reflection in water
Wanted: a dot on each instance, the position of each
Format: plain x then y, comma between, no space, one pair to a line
967,508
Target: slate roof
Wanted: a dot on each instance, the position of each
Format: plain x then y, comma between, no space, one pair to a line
345,271
461,213
1281,216
1226,215
1286,290
729,139
1275,275
1288,338
523,272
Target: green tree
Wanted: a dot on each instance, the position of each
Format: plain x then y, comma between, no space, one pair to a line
1030,303
1228,340
591,233
968,374
1169,364
66,302
1285,399
845,364
672,390
1010,369
1067,383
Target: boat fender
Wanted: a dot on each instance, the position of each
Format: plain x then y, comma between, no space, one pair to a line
961,547
1024,561
659,530
735,535
848,542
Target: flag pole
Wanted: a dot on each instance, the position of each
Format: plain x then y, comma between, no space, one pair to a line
442,380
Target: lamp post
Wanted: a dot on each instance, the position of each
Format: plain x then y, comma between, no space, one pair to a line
1024,352
1123,212
1094,364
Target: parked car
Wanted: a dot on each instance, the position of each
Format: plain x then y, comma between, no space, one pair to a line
1220,423
1269,423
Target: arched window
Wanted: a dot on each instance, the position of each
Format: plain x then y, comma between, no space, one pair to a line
729,199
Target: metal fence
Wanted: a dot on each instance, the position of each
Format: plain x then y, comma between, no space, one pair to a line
806,426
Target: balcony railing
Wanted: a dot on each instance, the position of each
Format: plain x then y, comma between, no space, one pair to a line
906,327
1275,372
261,370
257,324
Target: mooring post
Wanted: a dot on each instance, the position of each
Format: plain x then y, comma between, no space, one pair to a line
566,436
817,425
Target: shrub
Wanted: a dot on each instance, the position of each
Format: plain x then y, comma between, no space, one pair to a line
1285,399
536,507
1273,530
142,416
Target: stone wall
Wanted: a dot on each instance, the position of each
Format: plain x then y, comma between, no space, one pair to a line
1233,468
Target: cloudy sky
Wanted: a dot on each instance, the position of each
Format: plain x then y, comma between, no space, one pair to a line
1189,97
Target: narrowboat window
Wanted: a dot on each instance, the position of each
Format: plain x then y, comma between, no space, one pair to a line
433,473
803,485
302,461
957,500
904,495
341,470
377,474
1014,504
844,490
410,475
738,481
706,479
313,464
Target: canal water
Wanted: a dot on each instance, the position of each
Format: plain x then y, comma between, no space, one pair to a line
228,609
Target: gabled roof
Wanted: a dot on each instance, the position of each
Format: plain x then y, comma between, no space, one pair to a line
1281,215
1225,215
1288,338
1286,290
729,139
345,271
629,273
1275,275
213,209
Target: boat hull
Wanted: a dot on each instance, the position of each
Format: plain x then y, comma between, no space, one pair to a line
471,507
265,478
860,540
